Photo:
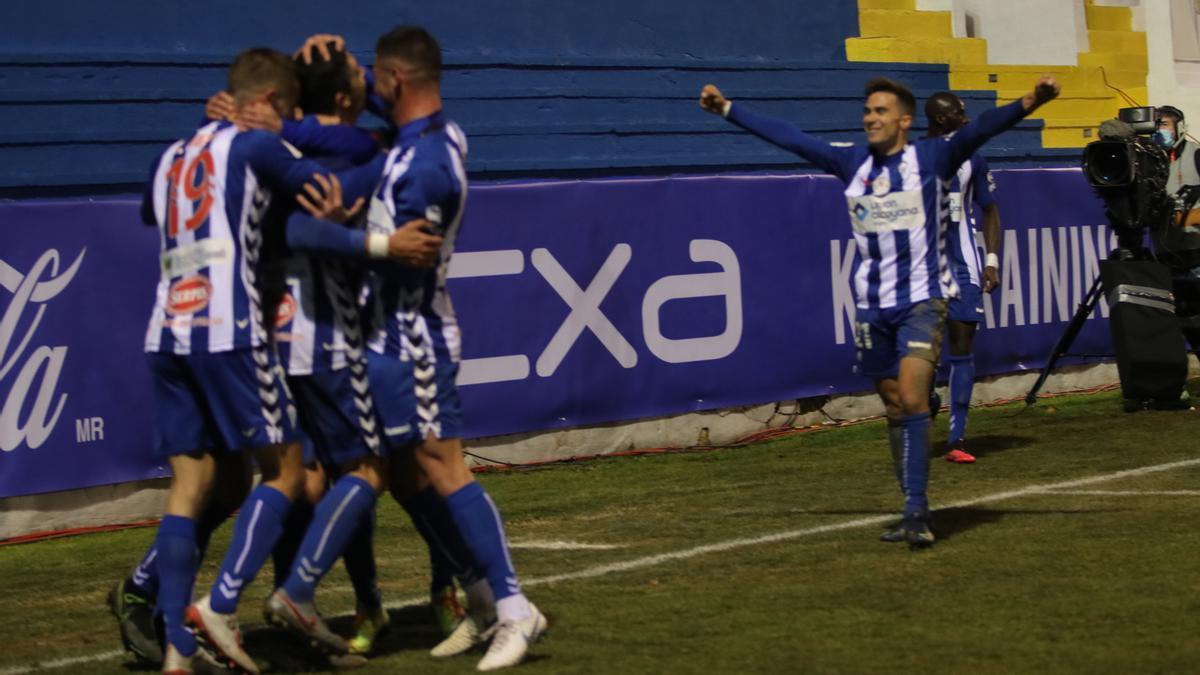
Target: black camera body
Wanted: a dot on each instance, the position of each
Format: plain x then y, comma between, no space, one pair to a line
1149,297
1129,172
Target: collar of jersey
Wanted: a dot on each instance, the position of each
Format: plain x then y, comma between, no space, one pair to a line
418,127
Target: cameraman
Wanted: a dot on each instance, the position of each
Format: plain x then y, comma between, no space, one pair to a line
1185,163
1179,245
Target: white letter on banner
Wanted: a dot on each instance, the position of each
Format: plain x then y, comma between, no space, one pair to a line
1011,292
31,289
841,267
585,309
1031,236
40,422
1055,284
489,264
727,282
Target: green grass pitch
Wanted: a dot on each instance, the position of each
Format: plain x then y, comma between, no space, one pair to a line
765,559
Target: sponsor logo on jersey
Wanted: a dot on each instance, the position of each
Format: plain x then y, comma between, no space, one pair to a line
895,211
286,311
189,295
956,207
192,258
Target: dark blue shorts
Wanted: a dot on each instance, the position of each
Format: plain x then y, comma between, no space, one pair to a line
884,336
231,401
968,306
410,410
337,415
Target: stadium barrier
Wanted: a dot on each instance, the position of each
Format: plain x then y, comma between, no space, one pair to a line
582,302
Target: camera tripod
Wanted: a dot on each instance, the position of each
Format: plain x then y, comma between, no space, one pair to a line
1086,306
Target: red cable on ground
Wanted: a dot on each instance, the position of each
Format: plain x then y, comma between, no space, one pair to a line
755,437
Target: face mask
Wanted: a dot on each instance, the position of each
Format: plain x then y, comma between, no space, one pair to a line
1165,137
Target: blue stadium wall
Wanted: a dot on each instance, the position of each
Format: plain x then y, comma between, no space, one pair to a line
643,258
89,92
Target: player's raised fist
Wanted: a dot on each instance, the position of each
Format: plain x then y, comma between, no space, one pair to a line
712,100
1046,89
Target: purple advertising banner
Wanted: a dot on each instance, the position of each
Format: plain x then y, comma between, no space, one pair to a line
581,302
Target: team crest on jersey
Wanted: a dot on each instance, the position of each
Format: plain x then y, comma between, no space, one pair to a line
188,295
433,213
286,311
882,184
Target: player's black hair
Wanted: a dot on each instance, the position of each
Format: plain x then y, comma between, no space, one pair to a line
259,68
415,47
908,102
322,80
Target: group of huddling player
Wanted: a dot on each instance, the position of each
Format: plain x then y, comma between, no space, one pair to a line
300,329
301,322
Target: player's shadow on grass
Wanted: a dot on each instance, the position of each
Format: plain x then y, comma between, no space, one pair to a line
993,444
949,523
409,629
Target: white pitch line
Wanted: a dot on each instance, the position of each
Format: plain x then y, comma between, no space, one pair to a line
562,545
1126,493
727,545
63,663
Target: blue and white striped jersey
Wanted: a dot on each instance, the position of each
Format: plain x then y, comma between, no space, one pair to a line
972,184
424,177
213,198
317,325
898,204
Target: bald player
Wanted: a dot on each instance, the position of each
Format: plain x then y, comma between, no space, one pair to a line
973,184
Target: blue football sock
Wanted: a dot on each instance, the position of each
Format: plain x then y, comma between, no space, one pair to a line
962,380
145,576
449,557
336,519
359,559
916,462
479,522
176,560
896,446
299,517
255,532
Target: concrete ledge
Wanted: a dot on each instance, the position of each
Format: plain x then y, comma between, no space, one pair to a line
90,507
141,500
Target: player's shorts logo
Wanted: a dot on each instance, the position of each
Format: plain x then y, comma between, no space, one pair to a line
189,295
286,311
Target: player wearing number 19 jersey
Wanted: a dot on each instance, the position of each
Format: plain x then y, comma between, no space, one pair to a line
896,193
217,198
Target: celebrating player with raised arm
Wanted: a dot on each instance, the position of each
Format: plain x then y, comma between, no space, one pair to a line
895,191
972,184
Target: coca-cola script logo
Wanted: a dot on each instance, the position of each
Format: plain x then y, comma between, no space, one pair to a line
286,311
30,293
188,295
